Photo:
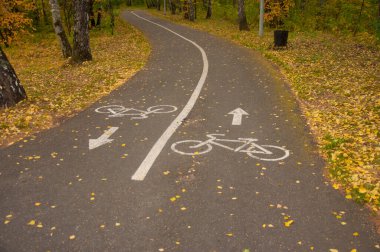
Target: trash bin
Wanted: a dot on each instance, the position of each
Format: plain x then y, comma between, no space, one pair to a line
280,38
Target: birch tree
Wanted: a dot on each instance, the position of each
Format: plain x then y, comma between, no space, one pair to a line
11,90
58,28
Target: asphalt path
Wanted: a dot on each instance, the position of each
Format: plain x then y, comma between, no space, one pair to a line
166,181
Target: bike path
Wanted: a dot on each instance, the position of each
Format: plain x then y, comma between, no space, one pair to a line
221,200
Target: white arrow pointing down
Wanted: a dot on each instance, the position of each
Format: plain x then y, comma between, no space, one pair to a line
238,115
103,139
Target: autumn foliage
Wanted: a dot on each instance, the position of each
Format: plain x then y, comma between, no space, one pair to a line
277,11
14,19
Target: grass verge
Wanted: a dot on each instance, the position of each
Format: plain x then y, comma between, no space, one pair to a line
57,90
336,80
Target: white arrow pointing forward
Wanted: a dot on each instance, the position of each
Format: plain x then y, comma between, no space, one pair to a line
103,139
238,115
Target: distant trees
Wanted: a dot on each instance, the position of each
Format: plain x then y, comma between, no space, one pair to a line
343,16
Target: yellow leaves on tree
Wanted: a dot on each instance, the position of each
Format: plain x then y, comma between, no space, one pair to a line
14,19
277,10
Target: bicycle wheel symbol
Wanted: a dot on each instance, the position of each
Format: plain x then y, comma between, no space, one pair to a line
277,153
161,109
110,109
191,147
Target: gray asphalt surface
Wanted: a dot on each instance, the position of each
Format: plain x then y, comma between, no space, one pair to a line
222,200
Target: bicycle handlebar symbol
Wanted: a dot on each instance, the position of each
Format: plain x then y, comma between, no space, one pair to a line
121,111
247,145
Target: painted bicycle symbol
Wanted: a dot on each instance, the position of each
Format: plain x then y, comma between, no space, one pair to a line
245,145
121,111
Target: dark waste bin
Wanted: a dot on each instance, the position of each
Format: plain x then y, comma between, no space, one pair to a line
280,38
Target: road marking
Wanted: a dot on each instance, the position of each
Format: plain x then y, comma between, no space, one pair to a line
121,111
161,142
237,116
246,145
103,139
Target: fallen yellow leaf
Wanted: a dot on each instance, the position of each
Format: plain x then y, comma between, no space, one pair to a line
362,189
288,223
32,223
172,199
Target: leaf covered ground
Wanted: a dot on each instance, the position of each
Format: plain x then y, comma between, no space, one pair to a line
336,80
57,90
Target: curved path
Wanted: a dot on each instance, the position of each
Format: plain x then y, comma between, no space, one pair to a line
98,183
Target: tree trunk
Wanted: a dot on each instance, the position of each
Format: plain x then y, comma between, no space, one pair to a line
158,6
112,16
195,9
58,28
99,17
36,12
11,90
91,13
46,20
191,10
81,48
173,7
360,15
179,5
67,7
209,10
243,25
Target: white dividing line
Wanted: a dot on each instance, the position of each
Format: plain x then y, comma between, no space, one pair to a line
161,142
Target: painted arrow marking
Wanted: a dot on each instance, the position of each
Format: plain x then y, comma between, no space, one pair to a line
237,116
103,139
